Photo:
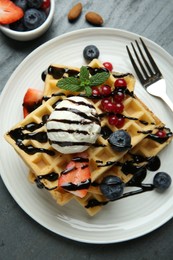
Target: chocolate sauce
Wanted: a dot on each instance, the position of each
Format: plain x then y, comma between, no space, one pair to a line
158,139
94,203
122,75
19,135
58,73
52,176
94,71
75,187
139,174
142,188
78,112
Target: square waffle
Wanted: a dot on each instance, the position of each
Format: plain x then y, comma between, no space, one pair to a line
44,161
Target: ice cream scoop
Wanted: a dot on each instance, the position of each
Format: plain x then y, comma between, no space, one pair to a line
73,125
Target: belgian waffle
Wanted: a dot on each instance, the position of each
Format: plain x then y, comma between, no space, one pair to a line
43,160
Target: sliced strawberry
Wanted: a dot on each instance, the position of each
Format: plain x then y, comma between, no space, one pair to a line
9,12
76,177
32,100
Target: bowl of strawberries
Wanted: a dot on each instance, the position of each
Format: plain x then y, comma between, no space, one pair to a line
25,20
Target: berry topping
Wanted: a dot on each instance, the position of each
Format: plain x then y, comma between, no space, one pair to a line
104,102
33,18
108,65
106,90
95,92
120,83
113,120
45,5
91,52
76,177
119,96
121,122
161,133
21,3
112,187
18,26
120,140
35,3
162,181
32,100
9,12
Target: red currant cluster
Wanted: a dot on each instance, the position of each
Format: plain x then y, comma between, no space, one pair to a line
112,101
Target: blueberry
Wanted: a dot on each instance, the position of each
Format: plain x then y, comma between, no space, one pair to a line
33,18
162,181
18,26
112,187
34,3
120,140
91,52
21,3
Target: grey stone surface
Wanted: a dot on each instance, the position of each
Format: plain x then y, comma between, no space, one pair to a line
20,236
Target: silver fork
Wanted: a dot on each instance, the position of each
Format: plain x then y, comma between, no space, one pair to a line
151,78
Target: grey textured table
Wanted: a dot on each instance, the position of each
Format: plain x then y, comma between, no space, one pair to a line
20,236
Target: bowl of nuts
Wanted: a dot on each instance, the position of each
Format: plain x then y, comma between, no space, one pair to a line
25,20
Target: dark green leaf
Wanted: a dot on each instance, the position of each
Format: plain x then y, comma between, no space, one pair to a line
71,83
88,91
99,78
84,73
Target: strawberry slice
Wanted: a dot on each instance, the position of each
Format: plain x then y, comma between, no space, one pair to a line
9,12
32,100
76,177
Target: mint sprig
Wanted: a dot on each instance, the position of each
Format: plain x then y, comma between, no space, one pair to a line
85,82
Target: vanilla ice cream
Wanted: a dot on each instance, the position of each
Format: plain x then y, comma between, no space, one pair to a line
73,125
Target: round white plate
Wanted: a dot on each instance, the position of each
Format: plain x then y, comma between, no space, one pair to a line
118,221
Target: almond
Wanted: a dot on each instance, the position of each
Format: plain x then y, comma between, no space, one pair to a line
94,18
75,12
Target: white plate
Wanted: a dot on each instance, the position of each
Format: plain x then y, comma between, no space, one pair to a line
118,221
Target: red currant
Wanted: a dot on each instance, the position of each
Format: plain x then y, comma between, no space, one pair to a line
45,5
108,65
121,122
118,108
95,91
161,133
113,120
104,102
120,83
106,90
119,96
110,107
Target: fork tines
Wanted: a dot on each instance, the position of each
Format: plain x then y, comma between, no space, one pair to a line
149,69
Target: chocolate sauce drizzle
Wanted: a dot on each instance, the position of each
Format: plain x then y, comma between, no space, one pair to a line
137,166
139,173
19,135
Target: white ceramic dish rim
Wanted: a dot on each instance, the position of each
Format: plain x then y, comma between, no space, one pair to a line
83,238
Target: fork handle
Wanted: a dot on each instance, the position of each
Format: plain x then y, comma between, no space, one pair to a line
167,100
158,89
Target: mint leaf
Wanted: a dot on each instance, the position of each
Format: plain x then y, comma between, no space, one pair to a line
84,74
84,82
98,78
88,91
70,83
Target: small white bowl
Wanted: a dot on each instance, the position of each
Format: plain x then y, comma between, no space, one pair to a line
32,34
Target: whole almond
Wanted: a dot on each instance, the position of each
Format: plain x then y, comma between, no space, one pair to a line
94,18
75,12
